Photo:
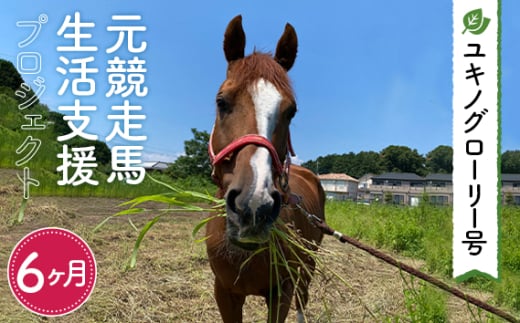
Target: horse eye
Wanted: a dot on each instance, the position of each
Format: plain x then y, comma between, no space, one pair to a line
291,112
222,104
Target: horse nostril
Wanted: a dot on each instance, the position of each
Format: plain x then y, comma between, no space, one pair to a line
231,200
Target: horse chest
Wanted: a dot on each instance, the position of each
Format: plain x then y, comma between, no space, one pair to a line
249,279
239,271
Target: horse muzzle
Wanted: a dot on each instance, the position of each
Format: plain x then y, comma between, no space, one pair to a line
250,218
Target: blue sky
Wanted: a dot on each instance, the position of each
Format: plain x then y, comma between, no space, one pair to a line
368,74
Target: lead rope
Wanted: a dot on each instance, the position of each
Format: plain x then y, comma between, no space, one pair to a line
319,223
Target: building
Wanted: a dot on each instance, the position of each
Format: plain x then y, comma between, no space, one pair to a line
365,181
511,189
439,188
404,188
339,186
155,166
409,188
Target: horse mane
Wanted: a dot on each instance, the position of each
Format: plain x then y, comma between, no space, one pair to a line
262,65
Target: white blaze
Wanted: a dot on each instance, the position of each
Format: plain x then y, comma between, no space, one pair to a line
266,100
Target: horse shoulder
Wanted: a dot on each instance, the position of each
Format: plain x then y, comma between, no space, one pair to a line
307,185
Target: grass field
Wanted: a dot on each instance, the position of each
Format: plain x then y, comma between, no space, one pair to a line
172,281
425,233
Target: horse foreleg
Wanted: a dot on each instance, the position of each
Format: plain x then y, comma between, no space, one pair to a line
229,304
302,290
280,303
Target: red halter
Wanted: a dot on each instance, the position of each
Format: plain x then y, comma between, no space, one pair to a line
281,168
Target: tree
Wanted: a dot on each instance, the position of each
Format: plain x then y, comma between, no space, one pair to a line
511,162
9,76
440,160
60,126
367,162
403,159
322,165
103,153
11,79
355,165
195,162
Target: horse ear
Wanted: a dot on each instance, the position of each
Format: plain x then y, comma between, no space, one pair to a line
287,48
234,40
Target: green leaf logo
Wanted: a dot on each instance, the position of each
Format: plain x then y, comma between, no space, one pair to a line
475,22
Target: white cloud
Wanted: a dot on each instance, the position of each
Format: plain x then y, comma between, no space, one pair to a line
296,160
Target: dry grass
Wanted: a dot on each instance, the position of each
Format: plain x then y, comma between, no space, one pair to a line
173,282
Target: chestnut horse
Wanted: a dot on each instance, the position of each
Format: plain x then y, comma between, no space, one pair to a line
249,149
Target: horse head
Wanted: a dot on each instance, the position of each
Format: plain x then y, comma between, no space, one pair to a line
250,143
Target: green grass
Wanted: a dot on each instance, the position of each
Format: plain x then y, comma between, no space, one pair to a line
425,233
401,229
43,165
424,303
117,189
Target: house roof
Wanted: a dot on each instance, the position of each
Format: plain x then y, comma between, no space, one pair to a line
434,177
399,176
155,165
366,177
336,176
439,177
510,177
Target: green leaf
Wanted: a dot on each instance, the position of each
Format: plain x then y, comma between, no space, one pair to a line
483,27
160,198
475,22
102,223
177,200
144,230
130,211
248,259
132,224
21,212
182,193
201,224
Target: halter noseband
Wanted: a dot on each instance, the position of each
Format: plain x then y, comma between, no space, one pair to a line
280,168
